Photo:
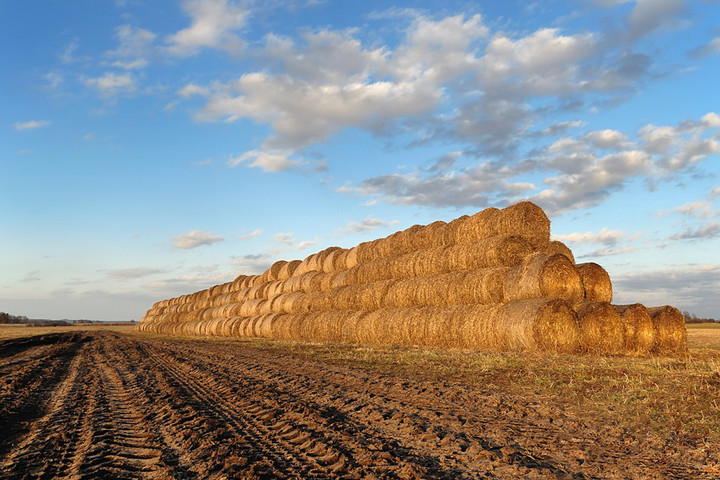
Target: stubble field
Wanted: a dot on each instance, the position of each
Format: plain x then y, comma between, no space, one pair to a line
105,402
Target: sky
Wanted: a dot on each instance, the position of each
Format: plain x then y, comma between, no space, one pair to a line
151,148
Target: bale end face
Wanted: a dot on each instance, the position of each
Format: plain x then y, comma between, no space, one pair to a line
669,326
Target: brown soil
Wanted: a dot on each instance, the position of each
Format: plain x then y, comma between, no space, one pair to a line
107,405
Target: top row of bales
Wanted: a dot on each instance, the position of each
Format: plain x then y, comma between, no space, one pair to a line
523,219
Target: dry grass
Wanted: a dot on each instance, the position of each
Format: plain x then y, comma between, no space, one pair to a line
16,331
679,398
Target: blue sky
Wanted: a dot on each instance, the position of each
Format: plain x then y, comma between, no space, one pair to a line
153,148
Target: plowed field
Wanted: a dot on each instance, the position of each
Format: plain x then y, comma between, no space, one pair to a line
108,405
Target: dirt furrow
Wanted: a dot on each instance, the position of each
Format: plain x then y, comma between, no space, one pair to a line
51,444
32,390
105,405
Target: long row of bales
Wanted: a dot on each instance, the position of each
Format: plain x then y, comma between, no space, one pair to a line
493,280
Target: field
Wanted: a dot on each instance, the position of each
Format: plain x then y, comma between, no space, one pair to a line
105,402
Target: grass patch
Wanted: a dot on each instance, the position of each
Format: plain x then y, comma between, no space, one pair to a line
8,331
673,397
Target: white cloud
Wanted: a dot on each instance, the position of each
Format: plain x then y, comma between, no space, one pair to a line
651,15
689,287
286,238
268,161
253,264
605,236
135,47
191,89
112,84
195,238
213,25
30,125
253,234
133,273
712,48
698,209
365,225
706,231
305,244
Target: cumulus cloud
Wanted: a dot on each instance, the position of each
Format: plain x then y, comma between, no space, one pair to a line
690,287
112,84
604,236
253,264
195,238
253,234
365,225
30,125
704,232
134,49
698,209
712,48
286,238
267,161
133,273
651,15
214,23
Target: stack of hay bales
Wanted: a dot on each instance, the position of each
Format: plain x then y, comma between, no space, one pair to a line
493,280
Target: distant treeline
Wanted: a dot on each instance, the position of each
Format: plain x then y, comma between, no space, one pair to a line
692,318
21,319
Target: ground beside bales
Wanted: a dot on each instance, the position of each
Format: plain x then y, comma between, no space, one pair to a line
109,403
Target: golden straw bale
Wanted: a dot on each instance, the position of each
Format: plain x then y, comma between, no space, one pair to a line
239,282
528,220
601,328
226,287
479,226
360,296
256,291
501,250
335,260
311,281
243,327
670,329
430,236
251,308
273,273
540,325
351,258
288,269
456,288
451,230
215,290
343,279
273,288
363,253
639,331
541,275
556,246
596,282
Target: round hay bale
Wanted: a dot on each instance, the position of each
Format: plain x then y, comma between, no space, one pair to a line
555,246
539,325
351,258
429,236
596,282
288,269
671,334
239,282
308,282
525,219
502,250
543,276
601,329
479,226
251,308
343,279
639,331
273,273
450,235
